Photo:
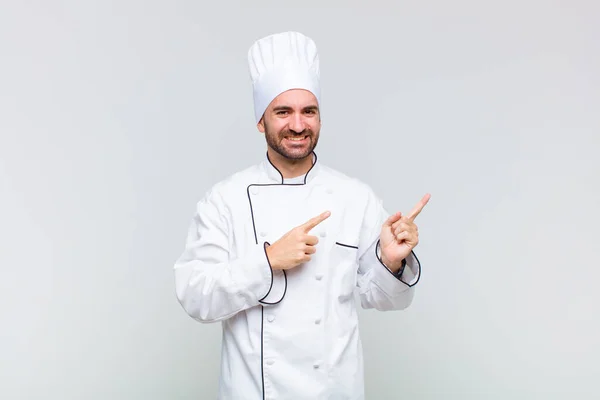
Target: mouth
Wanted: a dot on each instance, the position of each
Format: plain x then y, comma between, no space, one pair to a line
297,139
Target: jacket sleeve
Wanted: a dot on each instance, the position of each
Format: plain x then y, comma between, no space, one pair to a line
210,286
379,287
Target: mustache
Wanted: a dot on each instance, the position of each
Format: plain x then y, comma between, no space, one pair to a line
306,132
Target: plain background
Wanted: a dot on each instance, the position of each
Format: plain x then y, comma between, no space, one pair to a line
117,116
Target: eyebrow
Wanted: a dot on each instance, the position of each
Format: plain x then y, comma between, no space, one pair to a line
288,108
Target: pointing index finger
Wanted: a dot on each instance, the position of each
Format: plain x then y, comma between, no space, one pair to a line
311,223
419,207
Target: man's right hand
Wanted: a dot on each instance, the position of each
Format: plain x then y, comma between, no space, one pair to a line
296,246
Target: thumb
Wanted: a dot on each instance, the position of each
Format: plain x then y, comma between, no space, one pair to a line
392,218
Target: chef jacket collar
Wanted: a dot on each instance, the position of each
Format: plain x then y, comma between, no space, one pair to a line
275,176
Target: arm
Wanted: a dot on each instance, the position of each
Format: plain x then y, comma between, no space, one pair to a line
379,287
210,286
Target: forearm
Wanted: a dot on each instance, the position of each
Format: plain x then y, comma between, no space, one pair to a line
214,291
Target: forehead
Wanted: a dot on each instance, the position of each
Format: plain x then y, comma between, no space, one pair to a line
295,98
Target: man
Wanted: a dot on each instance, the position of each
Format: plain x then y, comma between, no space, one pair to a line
276,251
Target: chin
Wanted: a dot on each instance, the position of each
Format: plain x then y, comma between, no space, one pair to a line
297,154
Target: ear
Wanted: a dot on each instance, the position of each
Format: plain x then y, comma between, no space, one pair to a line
261,125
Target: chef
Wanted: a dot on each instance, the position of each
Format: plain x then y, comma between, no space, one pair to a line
277,251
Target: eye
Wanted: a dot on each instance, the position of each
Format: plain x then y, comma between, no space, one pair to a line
282,112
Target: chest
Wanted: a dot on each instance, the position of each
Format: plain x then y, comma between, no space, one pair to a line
273,210
264,213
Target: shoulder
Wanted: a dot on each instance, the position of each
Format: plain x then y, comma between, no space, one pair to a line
232,186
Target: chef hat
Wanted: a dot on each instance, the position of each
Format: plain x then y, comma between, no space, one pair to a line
281,62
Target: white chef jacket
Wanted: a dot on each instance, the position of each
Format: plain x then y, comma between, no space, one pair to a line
293,334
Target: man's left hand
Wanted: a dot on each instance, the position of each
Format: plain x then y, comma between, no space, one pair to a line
399,236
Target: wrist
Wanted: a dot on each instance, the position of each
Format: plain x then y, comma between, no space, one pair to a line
395,266
270,258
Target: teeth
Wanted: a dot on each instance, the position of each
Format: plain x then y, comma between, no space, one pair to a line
296,138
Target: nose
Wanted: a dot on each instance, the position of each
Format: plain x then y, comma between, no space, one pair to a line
296,123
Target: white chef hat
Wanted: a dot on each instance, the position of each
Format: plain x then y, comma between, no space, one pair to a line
281,62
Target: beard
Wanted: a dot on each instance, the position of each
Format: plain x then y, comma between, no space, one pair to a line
275,140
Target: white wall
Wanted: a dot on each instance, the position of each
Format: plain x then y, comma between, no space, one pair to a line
115,118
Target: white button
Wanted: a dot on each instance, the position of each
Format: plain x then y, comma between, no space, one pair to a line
270,362
323,234
316,365
319,277
318,321
254,190
263,234
271,317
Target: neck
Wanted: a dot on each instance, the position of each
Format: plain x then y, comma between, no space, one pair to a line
290,168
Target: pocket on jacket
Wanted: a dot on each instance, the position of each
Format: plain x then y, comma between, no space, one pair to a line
344,267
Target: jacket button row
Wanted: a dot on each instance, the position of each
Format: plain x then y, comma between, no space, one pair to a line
317,321
270,317
319,277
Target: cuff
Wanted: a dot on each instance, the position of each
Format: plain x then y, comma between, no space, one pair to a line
255,275
278,284
408,275
412,270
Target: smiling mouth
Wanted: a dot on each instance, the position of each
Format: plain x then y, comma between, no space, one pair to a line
296,138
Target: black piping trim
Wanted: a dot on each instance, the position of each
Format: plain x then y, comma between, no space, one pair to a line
271,287
265,244
305,176
273,184
262,372
399,274
251,213
262,310
273,165
250,200
346,245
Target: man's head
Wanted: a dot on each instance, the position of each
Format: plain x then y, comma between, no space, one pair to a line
291,124
285,77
